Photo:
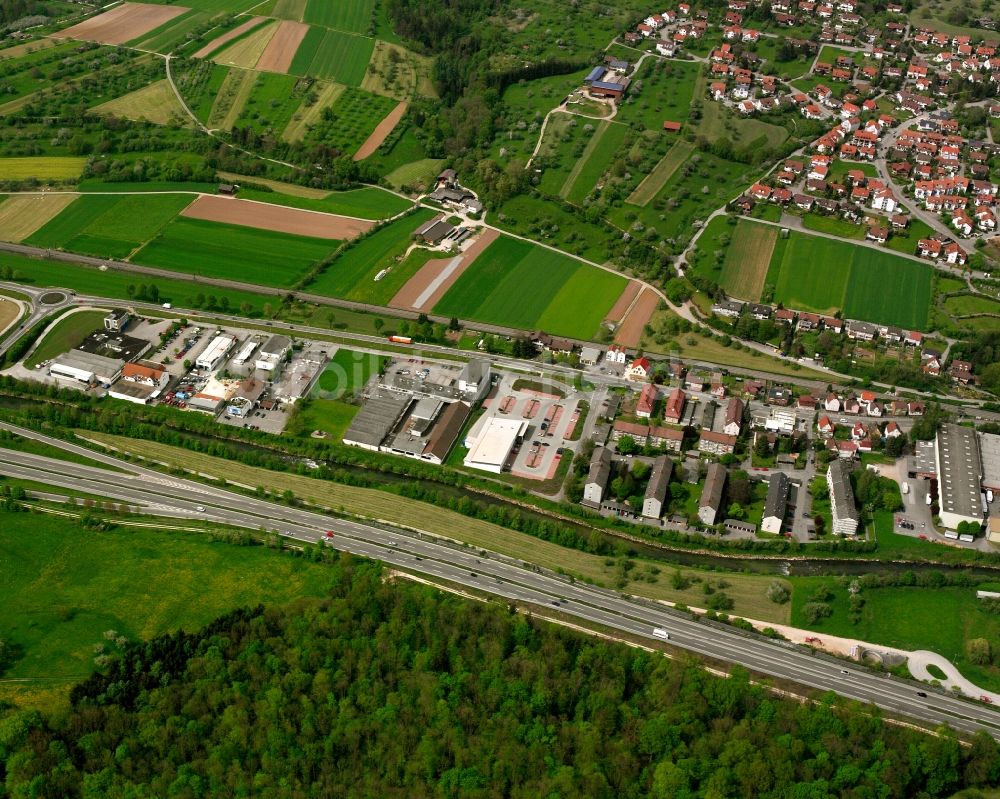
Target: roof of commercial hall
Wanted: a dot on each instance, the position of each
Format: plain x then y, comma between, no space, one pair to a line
959,471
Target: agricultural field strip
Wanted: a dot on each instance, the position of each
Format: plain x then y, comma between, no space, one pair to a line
588,151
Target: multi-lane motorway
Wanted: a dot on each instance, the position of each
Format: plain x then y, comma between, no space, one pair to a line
495,574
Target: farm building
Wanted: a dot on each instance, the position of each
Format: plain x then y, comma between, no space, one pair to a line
491,441
434,232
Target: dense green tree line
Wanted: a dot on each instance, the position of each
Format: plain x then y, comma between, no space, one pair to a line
398,691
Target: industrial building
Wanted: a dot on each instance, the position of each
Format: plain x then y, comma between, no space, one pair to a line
86,367
597,477
140,382
656,489
960,474
470,382
989,451
491,442
711,495
776,504
429,430
844,512
376,419
272,354
243,358
215,352
116,346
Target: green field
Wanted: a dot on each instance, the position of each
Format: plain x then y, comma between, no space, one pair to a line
171,34
661,173
42,167
359,262
521,285
66,334
347,372
331,416
333,55
347,15
823,275
71,586
213,249
109,225
367,202
115,284
598,155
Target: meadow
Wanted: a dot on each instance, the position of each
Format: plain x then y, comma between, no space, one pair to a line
213,249
173,33
354,16
331,416
521,285
155,103
42,167
823,275
903,617
109,225
358,263
333,55
200,85
747,259
64,596
348,371
661,173
350,120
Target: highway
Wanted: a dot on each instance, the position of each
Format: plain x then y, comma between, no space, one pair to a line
495,574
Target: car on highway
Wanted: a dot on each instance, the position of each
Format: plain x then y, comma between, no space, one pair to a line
329,534
200,509
922,694
659,632
844,671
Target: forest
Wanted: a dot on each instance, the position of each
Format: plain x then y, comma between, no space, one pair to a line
391,689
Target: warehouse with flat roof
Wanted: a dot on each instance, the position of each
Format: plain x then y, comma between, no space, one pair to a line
214,353
960,474
491,441
86,367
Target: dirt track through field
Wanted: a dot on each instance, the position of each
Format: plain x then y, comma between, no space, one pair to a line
373,142
227,37
277,218
623,303
278,55
630,333
122,24
431,283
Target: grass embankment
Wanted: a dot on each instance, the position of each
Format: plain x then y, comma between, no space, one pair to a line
66,334
747,591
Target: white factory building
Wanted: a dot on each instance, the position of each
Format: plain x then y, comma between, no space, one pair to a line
215,352
491,441
86,367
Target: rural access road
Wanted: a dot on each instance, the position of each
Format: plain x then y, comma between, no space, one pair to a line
502,576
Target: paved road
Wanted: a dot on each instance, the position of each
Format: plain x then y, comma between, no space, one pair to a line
503,577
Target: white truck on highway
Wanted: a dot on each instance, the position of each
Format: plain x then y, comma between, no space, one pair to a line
906,488
659,632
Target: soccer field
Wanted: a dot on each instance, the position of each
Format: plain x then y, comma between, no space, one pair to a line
823,275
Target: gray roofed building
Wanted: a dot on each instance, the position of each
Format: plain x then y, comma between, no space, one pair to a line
271,355
376,420
434,231
656,488
959,471
86,367
711,495
597,477
989,451
474,379
776,503
845,514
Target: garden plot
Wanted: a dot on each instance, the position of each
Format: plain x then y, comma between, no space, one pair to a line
382,130
280,50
